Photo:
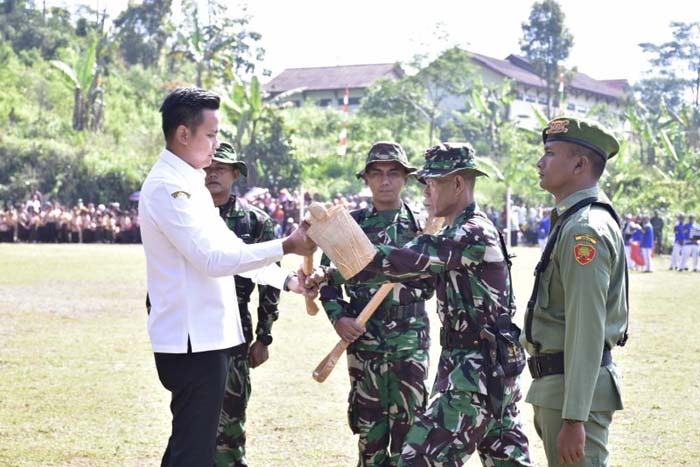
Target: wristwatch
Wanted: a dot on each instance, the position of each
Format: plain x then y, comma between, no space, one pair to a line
285,287
266,339
572,422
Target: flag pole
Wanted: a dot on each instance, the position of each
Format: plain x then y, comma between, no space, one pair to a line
343,143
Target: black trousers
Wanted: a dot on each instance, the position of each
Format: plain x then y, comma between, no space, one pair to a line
197,382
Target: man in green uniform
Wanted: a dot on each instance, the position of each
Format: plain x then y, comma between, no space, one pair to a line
251,225
388,358
578,310
474,401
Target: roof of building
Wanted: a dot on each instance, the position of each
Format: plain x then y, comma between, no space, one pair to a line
519,69
331,77
510,70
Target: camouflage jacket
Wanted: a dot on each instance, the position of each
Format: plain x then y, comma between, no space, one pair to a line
396,228
252,225
472,287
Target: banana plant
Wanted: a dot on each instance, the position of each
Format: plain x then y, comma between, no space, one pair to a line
245,109
84,77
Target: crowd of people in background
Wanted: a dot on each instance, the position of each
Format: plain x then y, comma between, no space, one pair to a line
43,221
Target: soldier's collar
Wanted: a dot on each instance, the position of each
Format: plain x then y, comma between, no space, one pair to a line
373,210
574,198
466,214
232,208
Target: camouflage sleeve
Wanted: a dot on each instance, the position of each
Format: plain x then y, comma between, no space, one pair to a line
332,297
426,255
268,296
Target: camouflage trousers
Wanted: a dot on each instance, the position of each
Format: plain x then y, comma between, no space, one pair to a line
230,439
457,423
386,391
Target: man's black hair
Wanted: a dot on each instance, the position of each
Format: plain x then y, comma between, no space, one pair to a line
596,160
184,106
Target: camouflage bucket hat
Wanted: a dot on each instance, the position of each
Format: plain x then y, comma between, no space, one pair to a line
586,133
227,155
447,158
386,151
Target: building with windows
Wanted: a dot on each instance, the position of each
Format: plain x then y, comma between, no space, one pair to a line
581,92
325,86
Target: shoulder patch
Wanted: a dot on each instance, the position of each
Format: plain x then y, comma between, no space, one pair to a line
180,194
583,253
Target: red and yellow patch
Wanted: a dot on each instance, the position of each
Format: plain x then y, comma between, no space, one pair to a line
584,254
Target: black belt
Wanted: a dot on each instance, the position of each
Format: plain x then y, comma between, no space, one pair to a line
450,339
553,363
393,313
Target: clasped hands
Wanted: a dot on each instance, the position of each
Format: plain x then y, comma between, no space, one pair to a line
300,244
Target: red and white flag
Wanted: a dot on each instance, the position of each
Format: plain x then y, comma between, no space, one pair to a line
343,143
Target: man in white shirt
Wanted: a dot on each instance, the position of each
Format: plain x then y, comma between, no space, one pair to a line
191,258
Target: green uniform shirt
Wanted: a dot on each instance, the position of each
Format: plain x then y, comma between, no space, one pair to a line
581,309
394,228
472,287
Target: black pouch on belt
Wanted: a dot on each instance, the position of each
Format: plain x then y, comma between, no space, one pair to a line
510,353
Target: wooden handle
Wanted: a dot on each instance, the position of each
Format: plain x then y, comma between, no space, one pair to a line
308,268
374,303
328,363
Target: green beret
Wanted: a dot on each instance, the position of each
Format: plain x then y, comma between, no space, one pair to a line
386,151
227,155
447,158
586,133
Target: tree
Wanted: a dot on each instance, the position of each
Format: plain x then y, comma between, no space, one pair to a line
392,102
546,42
26,27
449,76
679,59
260,137
84,77
142,31
223,48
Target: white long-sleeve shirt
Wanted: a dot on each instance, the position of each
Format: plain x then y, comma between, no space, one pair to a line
191,258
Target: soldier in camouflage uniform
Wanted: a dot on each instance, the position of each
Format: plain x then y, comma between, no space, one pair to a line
252,225
388,359
470,410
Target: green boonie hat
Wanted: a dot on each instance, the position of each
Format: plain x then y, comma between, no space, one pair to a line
386,151
587,133
447,158
227,155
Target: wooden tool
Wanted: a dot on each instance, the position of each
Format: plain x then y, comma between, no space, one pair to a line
308,268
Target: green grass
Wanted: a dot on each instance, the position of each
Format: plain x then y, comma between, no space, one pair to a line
78,384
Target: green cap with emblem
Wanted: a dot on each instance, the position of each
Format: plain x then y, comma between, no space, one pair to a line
586,133
447,158
227,155
386,151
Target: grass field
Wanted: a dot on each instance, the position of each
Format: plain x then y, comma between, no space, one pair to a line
78,384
